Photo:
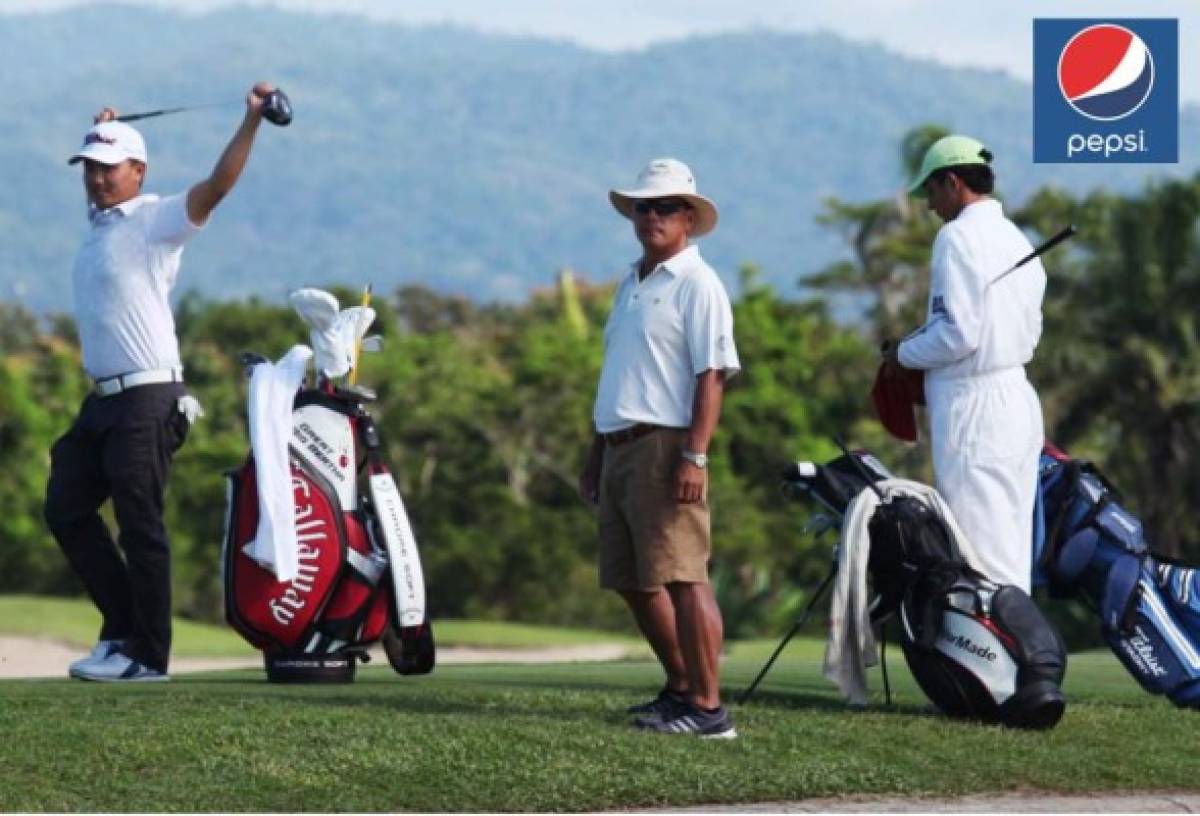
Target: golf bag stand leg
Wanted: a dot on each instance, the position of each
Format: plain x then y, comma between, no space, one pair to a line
796,627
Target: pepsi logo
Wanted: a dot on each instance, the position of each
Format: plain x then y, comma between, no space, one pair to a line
1106,72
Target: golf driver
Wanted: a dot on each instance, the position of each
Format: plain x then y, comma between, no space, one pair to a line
276,109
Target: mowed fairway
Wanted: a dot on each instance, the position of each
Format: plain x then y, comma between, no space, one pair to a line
509,737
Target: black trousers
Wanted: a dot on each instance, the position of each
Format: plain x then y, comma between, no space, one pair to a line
120,447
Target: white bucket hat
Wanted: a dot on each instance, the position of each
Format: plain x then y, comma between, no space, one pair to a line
667,178
111,143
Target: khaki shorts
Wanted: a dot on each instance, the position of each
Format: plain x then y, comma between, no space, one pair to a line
647,538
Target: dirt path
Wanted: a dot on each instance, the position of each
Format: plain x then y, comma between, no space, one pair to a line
33,657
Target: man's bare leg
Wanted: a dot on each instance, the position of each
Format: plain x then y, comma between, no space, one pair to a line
656,616
700,631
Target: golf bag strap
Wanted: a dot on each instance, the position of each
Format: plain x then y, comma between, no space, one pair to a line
1120,593
1066,484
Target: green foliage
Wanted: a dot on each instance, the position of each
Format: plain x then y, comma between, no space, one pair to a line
1123,368
485,410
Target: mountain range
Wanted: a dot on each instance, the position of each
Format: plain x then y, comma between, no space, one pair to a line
479,164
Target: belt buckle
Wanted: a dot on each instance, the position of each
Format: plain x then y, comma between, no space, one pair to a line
110,386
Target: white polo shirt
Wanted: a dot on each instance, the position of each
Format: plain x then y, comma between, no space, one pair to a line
663,331
124,273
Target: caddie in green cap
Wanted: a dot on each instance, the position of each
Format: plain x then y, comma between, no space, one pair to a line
980,331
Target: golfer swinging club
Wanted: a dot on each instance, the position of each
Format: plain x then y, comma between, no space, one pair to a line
138,414
668,348
985,418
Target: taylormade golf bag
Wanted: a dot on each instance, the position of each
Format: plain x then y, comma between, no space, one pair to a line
977,649
1149,609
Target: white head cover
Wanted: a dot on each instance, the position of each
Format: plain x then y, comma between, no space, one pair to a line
333,332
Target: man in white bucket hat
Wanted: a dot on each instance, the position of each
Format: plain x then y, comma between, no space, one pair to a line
137,416
668,349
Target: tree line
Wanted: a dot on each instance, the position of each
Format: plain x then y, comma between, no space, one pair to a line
485,409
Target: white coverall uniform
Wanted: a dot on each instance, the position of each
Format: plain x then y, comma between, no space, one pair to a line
985,418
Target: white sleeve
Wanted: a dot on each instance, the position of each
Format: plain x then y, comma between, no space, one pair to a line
956,291
169,222
709,328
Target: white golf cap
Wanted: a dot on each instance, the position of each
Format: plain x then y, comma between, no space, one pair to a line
668,178
111,143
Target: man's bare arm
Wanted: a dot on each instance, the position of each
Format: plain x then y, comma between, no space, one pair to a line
204,197
706,410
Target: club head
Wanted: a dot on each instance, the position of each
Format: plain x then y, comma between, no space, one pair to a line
277,108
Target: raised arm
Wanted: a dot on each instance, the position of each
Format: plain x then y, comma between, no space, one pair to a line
203,198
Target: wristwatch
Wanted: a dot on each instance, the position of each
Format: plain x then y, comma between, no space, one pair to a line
698,459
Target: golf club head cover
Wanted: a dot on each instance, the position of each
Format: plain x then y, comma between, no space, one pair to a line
333,332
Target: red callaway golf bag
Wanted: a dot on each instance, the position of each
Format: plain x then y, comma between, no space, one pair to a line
359,577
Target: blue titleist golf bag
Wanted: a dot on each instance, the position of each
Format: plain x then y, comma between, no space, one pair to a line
1148,606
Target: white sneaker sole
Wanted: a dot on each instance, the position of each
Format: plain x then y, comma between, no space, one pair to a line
728,735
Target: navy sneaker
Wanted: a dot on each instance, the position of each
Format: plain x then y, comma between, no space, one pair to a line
692,720
119,668
665,705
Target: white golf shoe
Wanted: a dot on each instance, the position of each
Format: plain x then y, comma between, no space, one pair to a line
100,651
119,668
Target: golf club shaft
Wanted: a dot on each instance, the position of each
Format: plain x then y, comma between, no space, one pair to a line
1054,240
133,117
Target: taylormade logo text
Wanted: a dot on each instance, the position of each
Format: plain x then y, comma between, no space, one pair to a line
971,647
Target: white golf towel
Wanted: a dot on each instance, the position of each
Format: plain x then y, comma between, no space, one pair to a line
850,649
273,388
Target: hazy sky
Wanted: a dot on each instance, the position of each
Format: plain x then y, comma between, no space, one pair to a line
959,32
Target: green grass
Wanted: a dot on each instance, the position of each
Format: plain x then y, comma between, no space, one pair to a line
76,622
538,738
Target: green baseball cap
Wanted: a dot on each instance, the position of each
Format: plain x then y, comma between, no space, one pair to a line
949,151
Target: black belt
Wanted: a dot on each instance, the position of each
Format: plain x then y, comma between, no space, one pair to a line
631,433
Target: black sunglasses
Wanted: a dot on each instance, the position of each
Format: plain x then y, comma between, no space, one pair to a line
660,206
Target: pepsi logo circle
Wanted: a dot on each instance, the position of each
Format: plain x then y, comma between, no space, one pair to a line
1106,72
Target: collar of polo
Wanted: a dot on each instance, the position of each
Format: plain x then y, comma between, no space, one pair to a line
125,208
676,265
